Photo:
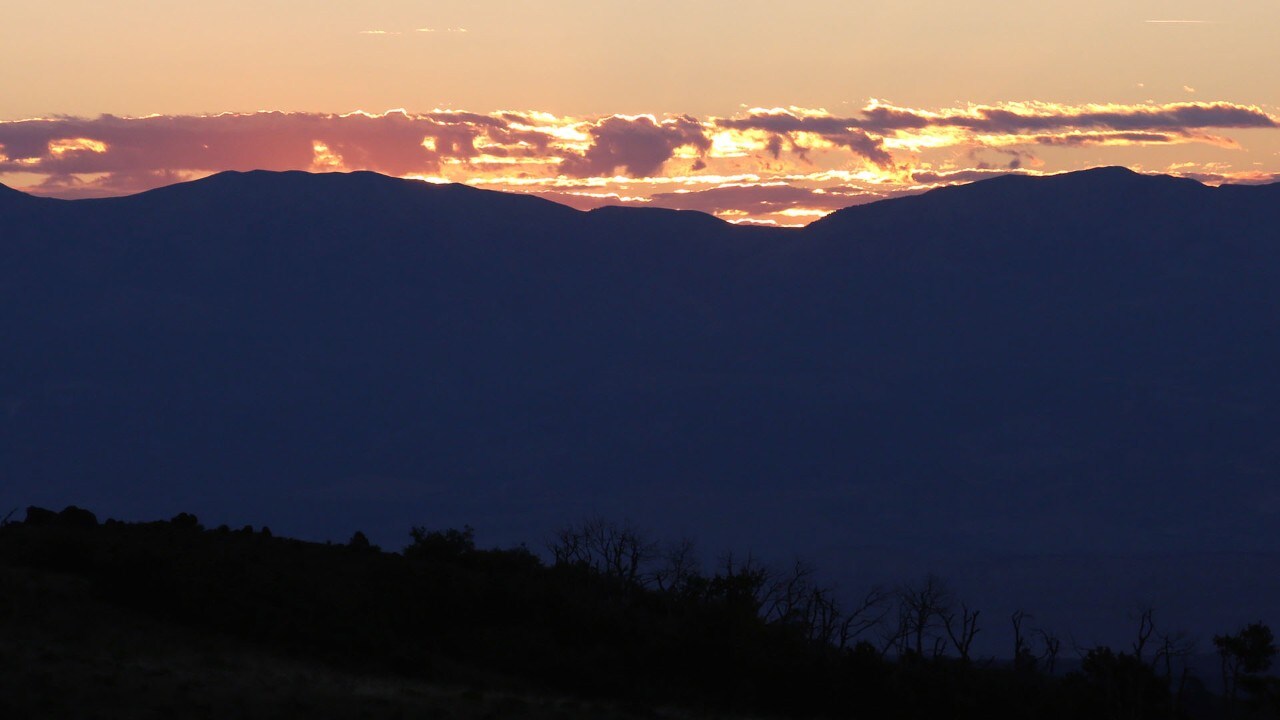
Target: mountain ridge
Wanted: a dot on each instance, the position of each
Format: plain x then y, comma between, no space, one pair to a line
1100,180
927,381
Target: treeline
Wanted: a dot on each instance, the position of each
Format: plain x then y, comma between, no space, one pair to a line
613,614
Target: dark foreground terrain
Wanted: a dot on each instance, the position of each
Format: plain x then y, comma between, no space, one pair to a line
170,619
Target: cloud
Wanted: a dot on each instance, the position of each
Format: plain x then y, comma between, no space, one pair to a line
1209,177
762,199
73,187
775,203
636,146
1081,139
1031,123
955,177
395,142
780,165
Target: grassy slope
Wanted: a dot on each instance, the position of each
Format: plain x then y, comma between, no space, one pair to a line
64,653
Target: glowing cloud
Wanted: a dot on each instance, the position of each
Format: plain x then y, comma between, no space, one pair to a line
325,160
777,165
63,146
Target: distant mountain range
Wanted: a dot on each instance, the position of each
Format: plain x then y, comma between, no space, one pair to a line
1057,390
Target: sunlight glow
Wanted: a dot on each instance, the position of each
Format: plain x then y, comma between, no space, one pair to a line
70,145
324,159
800,212
433,179
738,143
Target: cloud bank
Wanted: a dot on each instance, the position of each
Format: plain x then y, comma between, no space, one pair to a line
780,165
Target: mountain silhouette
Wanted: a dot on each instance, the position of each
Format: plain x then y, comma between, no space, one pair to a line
1066,381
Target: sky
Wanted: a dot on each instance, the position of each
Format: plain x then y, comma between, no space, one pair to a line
756,111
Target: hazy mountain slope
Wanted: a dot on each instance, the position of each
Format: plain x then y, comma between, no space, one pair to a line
1055,366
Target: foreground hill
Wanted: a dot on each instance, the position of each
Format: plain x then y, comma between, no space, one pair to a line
1059,391
170,619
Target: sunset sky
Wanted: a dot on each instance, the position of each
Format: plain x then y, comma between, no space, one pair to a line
754,110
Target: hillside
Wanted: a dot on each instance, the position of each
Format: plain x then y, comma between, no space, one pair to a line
169,618
1058,391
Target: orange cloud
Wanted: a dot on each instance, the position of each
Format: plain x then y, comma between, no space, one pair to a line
783,165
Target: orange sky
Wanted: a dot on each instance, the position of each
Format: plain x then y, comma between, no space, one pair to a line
752,110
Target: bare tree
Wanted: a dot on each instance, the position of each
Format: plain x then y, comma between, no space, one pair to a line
1022,655
869,613
895,635
1146,626
822,618
1172,655
961,629
748,583
788,595
679,569
613,550
1052,646
921,609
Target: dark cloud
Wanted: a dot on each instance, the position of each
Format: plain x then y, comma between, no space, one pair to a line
1139,123
1014,158
868,146
931,177
757,199
391,143
774,146
637,146
841,131
73,187
1081,139
786,123
1245,178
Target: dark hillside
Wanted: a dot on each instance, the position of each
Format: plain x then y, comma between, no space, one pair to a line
174,618
1065,379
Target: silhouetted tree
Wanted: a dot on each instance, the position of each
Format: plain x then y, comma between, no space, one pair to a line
961,629
867,614
921,609
40,516
1119,686
741,585
795,598
441,545
1023,657
1146,627
1244,656
613,550
1171,656
185,521
680,569
1052,646
360,543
